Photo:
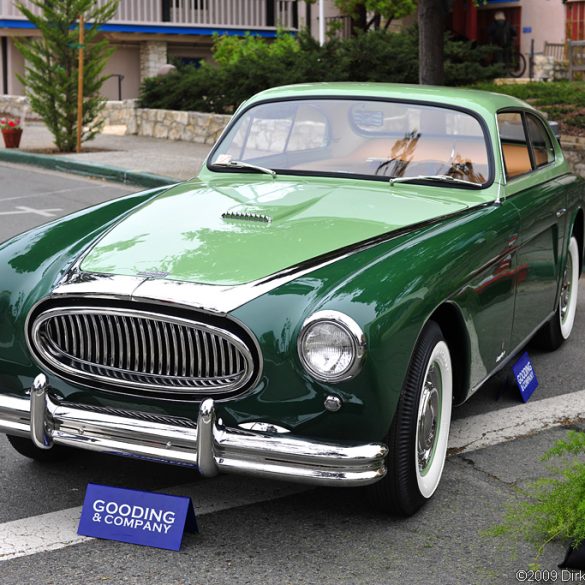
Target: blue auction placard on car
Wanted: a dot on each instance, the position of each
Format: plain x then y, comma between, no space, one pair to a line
525,377
137,517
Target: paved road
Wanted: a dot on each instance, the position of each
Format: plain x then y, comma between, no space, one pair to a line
263,532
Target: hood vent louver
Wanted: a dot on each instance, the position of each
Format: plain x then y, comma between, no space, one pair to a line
245,216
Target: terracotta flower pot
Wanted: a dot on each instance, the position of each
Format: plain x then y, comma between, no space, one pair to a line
12,137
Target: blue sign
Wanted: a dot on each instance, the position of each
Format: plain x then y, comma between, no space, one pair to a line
526,29
525,377
137,517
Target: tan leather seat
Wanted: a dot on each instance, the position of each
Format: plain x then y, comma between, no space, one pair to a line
517,159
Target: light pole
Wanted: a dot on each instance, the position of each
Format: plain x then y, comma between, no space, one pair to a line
321,22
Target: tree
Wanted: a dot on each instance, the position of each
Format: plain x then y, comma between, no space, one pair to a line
373,14
52,66
432,16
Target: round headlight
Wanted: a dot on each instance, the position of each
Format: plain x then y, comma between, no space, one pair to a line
331,346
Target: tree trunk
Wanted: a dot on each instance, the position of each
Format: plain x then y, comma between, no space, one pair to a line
431,30
359,22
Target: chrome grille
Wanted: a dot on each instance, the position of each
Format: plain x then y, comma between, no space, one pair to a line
143,350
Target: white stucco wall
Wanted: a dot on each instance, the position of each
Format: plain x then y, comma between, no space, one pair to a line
15,66
546,18
126,62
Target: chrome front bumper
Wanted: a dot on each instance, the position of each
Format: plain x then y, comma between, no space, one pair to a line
207,445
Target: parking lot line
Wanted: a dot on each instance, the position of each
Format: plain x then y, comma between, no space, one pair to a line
25,210
57,530
499,426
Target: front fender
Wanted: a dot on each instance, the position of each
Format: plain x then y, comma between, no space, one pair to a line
31,265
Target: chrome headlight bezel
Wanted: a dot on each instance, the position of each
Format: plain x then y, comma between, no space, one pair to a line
350,328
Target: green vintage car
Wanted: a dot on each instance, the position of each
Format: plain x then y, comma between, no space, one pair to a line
352,260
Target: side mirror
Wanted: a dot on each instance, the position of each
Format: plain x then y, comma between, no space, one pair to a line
556,129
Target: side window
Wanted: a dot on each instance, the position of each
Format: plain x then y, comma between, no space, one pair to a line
514,144
544,152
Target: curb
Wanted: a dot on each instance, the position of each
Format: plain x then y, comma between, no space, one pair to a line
110,173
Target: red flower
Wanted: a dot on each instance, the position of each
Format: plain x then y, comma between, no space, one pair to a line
12,123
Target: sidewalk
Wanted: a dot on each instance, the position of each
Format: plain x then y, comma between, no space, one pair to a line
131,155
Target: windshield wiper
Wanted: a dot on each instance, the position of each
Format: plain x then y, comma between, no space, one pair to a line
439,178
237,164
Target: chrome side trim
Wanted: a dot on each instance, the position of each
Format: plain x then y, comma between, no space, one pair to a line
209,446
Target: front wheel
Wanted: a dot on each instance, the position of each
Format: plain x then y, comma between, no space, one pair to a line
419,433
559,328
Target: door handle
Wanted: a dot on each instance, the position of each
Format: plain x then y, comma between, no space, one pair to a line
561,212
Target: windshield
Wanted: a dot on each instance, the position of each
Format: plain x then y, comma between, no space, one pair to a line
374,139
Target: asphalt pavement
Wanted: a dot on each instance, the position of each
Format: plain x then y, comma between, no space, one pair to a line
254,531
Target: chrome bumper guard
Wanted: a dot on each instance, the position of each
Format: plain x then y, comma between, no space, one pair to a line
209,446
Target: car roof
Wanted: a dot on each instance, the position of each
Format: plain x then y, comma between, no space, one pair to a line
471,99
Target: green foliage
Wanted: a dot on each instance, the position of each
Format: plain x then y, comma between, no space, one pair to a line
388,9
555,508
52,66
245,66
230,50
467,63
563,101
380,56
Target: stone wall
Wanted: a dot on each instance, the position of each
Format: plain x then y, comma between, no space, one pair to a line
17,106
574,150
153,56
130,120
188,126
168,124
119,113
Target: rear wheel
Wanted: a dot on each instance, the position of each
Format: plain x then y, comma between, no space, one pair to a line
27,448
420,430
559,328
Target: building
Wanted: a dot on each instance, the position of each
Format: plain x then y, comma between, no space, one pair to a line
538,20
147,34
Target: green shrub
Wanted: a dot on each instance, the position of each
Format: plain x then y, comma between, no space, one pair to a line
244,66
555,506
563,101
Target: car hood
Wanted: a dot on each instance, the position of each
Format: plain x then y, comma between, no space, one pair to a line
241,231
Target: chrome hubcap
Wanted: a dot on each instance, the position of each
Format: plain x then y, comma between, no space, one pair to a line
566,289
428,418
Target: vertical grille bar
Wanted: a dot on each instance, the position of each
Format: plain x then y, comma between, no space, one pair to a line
73,334
111,343
222,368
120,344
167,349
214,349
175,349
159,352
96,339
205,373
191,356
128,346
199,343
143,354
184,356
